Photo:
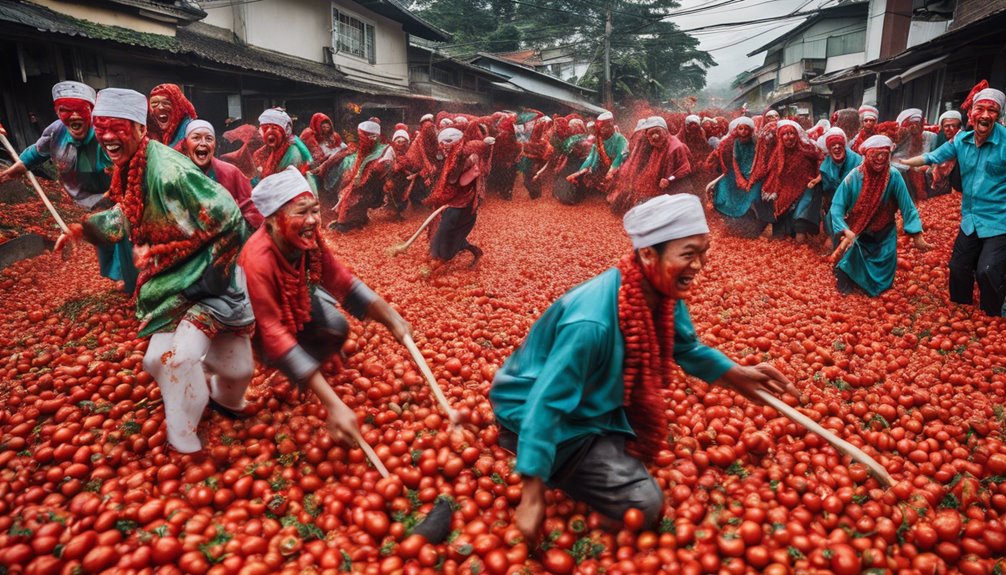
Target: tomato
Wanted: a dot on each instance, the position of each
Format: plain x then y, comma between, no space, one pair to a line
558,561
844,560
166,550
634,519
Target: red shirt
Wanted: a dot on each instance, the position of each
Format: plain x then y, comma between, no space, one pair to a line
267,271
231,177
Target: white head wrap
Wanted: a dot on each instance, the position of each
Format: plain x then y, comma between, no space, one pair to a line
639,125
652,122
773,113
665,218
707,119
836,131
868,111
461,120
741,121
821,143
425,118
781,123
991,94
822,123
577,122
76,90
274,191
369,127
590,125
276,117
692,119
121,103
605,116
446,122
400,134
877,141
449,136
909,114
199,125
949,115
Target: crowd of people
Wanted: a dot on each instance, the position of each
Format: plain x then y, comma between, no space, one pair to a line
224,253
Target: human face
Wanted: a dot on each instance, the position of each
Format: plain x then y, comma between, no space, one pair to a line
984,115
950,128
657,137
326,128
837,151
607,129
160,109
366,138
400,144
672,272
772,116
119,137
789,137
743,132
272,134
294,227
869,123
914,127
878,159
75,115
201,145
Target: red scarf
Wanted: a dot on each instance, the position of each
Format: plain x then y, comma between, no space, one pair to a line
867,214
295,305
268,158
790,170
648,362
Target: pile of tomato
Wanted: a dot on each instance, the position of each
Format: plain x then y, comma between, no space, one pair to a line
18,218
88,484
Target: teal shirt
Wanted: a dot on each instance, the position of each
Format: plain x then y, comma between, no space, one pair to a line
983,176
871,264
832,174
565,381
80,163
729,199
617,148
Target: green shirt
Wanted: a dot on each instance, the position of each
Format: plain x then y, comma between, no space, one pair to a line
565,381
617,148
181,202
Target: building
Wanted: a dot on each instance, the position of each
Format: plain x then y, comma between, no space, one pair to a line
527,87
560,62
453,84
831,39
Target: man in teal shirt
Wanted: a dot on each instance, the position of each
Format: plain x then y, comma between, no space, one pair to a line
980,248
609,152
81,164
579,401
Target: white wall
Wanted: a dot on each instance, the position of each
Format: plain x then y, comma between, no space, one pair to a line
844,61
303,28
875,29
790,73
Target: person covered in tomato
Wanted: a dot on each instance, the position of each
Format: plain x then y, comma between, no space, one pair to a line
170,112
321,138
836,165
946,176
405,171
609,152
658,164
186,231
363,178
862,212
295,285
868,118
280,147
81,165
913,140
573,150
980,248
538,163
579,401
200,145
735,194
789,182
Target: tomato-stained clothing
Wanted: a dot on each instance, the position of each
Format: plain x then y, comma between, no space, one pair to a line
80,163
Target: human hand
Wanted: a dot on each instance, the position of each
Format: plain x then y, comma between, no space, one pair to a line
530,513
747,380
664,182
66,241
341,422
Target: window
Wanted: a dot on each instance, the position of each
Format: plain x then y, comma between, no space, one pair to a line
443,76
352,36
847,43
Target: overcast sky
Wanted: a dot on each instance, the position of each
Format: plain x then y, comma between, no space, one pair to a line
729,46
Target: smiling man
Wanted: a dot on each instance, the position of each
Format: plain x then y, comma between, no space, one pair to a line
295,284
186,232
200,145
81,165
580,400
980,248
170,111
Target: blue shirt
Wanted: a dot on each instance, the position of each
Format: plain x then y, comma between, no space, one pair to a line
983,176
566,382
80,163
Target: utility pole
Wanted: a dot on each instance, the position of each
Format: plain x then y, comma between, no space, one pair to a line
607,59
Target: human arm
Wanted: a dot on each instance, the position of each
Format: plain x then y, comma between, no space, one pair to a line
16,170
747,380
341,421
948,151
814,181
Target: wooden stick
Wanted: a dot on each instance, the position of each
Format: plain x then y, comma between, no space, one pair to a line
417,357
843,247
538,173
395,250
710,185
844,447
369,452
38,188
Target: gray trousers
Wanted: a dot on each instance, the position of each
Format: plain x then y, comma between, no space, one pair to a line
601,474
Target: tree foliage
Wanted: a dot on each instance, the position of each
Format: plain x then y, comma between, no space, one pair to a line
650,57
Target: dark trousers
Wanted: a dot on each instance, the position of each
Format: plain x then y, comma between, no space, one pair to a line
983,259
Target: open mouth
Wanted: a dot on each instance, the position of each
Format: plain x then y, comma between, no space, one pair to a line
685,282
76,125
201,154
112,148
162,118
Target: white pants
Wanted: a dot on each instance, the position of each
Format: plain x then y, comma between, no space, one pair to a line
177,361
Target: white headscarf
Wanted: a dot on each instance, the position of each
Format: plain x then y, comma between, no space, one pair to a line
652,122
400,134
370,127
449,136
277,117
274,191
605,116
909,114
877,141
665,218
692,119
199,125
949,115
741,121
991,94
868,111
121,103
71,89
